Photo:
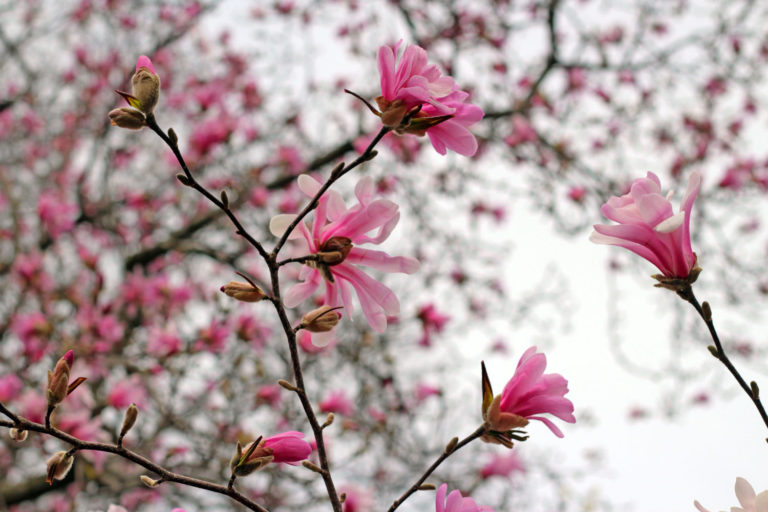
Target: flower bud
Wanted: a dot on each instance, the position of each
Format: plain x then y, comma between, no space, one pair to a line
244,292
58,379
254,457
145,85
18,435
149,482
58,466
130,419
127,117
322,319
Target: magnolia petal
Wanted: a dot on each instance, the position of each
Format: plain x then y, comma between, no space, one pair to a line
279,224
364,190
309,185
452,135
298,293
671,224
382,261
549,424
745,493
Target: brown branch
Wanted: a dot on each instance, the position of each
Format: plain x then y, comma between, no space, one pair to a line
705,313
165,474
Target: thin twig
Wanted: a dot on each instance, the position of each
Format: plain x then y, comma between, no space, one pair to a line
165,474
446,453
688,295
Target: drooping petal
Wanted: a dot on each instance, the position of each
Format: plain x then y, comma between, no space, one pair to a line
382,261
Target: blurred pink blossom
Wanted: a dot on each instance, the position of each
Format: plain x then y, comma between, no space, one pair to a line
10,386
411,82
337,402
358,499
432,321
456,503
424,391
649,227
502,465
339,231
127,391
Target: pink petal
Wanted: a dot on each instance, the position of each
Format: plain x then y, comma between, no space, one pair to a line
382,261
452,135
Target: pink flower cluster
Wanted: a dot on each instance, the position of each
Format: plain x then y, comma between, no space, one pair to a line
338,229
648,226
410,82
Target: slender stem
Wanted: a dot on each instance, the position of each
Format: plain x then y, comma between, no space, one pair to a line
165,474
688,295
415,487
364,157
317,429
240,230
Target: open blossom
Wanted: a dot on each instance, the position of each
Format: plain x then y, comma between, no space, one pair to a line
528,394
335,237
456,502
648,226
749,501
409,83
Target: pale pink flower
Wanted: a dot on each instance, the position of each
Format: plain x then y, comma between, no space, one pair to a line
529,394
339,231
749,501
522,132
337,402
456,502
502,465
415,83
649,227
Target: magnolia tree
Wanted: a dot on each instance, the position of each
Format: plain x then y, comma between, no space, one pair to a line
299,255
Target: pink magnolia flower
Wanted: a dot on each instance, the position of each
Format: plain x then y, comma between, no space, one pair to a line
411,82
528,394
749,501
649,227
335,236
10,387
456,502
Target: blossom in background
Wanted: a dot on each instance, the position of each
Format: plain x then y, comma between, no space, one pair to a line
358,499
408,83
337,402
527,395
456,502
502,465
749,501
334,237
648,226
